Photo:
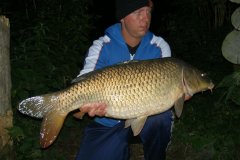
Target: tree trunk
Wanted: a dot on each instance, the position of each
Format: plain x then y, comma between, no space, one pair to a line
6,144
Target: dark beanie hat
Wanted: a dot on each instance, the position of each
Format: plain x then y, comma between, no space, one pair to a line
125,7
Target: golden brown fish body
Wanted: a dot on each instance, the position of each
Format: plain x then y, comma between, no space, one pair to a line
132,91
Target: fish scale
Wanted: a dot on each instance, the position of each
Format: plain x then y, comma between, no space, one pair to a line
133,91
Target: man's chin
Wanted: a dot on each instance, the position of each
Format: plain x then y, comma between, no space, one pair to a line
142,33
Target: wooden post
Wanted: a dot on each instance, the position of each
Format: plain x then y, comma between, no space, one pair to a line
6,144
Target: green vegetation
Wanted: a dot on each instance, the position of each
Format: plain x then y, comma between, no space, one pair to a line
49,40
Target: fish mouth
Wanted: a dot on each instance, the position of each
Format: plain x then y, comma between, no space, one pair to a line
211,86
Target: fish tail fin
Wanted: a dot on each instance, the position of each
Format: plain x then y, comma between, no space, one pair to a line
46,107
51,126
38,106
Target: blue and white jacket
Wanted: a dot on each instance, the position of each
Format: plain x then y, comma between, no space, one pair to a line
112,49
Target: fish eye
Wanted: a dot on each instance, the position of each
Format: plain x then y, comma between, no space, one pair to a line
204,74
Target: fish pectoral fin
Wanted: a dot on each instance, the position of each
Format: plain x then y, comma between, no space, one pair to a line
136,124
51,126
178,106
79,115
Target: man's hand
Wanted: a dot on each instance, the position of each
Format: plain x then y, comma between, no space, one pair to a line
96,109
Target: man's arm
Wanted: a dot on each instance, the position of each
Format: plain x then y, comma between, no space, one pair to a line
95,60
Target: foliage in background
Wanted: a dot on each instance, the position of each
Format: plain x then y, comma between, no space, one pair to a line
208,128
231,52
49,40
231,92
49,47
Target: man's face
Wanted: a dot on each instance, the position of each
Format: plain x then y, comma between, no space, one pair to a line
137,23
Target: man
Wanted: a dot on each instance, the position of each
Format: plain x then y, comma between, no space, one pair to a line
105,138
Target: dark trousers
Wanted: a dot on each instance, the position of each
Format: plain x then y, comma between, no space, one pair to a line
111,143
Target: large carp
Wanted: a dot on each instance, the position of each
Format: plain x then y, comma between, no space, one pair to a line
133,91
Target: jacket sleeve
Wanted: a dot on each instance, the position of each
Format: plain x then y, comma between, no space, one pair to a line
163,45
96,58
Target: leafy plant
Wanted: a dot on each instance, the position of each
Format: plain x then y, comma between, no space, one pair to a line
232,83
231,51
49,40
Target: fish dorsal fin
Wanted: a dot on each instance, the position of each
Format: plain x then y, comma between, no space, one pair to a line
178,106
136,124
51,126
82,77
129,61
